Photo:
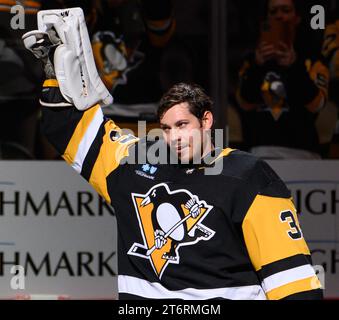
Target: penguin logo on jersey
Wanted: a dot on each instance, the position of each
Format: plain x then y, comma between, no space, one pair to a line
168,220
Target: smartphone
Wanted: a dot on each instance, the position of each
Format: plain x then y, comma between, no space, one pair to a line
274,32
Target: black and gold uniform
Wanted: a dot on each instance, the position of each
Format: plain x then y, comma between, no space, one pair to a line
330,48
282,104
184,234
330,52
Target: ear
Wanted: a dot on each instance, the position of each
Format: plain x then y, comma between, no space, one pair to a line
207,120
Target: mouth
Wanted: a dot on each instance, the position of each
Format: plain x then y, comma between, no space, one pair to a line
180,149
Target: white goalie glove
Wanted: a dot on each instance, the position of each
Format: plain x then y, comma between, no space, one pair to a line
62,43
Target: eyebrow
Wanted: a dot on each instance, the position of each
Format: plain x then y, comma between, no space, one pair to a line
281,6
165,126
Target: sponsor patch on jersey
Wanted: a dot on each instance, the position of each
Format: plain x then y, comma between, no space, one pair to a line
147,171
168,220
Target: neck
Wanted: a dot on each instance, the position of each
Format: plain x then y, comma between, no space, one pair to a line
207,148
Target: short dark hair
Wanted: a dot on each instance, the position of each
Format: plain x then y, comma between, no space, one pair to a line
198,101
298,7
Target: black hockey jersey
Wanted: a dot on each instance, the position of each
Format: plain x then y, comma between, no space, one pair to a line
282,104
183,234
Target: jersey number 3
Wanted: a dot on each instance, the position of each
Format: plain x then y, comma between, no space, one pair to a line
294,233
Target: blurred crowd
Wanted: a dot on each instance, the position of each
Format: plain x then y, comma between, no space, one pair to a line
283,76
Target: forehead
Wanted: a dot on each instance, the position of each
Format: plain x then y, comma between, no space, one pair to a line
280,3
177,112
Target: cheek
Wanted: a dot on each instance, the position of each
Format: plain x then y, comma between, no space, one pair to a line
288,18
187,134
295,20
166,137
181,134
195,137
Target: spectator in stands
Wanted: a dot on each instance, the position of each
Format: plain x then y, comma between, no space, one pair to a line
20,80
330,48
282,86
330,52
128,50
128,37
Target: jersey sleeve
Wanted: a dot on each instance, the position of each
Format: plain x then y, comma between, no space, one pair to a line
306,84
251,77
275,242
330,49
90,143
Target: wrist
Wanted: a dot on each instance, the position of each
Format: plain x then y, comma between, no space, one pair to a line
51,95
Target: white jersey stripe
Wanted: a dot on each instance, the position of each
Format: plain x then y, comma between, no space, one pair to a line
284,277
87,140
146,289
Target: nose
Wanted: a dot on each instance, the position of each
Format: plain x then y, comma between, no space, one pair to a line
175,137
280,16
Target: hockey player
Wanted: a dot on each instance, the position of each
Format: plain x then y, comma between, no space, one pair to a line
181,233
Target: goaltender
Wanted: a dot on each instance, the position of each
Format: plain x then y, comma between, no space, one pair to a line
183,232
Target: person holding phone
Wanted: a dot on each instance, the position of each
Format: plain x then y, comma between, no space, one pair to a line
283,86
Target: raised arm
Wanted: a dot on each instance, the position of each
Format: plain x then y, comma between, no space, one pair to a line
72,96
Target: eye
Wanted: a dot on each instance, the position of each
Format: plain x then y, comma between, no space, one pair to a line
287,10
182,125
273,12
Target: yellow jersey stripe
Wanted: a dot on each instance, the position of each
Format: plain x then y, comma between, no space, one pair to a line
27,3
224,153
8,2
109,157
307,284
51,83
266,236
32,4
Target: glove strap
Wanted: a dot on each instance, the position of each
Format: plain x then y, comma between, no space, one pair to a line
51,95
